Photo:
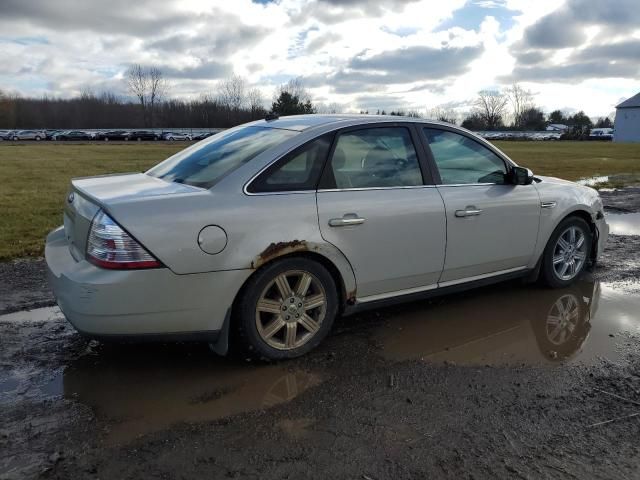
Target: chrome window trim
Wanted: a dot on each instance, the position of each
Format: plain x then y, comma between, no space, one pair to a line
469,184
287,192
356,189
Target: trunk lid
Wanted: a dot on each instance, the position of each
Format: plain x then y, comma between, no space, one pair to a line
87,196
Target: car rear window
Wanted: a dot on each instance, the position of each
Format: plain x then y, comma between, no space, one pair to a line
207,162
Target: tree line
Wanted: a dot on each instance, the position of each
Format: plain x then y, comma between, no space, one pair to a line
232,103
493,108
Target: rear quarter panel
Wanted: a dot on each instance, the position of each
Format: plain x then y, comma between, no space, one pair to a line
259,229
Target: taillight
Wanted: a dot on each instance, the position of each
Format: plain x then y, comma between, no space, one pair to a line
109,246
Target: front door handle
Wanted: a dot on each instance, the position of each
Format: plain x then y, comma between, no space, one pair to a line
346,220
470,211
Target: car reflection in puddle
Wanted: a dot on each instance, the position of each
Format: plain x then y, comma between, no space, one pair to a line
147,388
511,324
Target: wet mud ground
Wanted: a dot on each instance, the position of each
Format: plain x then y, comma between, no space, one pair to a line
508,381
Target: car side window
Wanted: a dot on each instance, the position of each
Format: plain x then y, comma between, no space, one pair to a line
461,160
298,171
375,157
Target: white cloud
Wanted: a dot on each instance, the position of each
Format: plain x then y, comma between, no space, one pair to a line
354,53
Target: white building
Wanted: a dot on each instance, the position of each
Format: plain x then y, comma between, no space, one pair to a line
627,124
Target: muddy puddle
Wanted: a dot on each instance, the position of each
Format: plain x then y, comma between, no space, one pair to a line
513,324
624,223
139,389
151,390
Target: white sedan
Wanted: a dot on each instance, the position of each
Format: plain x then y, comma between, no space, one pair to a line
266,232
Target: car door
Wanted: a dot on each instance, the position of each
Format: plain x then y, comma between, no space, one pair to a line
492,225
377,204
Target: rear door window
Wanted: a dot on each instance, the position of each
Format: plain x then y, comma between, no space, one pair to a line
375,157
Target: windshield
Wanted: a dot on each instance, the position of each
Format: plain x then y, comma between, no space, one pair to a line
205,163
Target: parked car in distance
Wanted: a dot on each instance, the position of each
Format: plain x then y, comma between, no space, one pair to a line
202,136
171,136
28,135
70,135
111,135
5,135
272,229
49,134
140,135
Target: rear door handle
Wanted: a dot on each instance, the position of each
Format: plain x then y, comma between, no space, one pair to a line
346,220
470,211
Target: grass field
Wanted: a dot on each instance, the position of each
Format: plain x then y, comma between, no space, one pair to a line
34,177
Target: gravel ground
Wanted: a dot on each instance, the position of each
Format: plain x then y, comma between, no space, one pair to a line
75,409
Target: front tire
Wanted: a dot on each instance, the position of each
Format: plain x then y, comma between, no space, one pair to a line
567,253
286,309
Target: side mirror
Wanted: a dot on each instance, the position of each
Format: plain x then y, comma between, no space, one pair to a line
521,176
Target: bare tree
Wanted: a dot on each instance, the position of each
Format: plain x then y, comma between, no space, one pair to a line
148,86
295,87
232,92
157,90
521,100
330,108
444,115
255,100
491,106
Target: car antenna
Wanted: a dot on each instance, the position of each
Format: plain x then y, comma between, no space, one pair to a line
271,116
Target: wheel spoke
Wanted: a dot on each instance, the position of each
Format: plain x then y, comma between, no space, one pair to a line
563,243
269,306
290,338
303,285
313,301
579,256
572,236
283,286
309,323
553,320
580,241
273,328
563,271
555,332
558,259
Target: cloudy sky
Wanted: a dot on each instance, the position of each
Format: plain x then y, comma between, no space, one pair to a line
361,54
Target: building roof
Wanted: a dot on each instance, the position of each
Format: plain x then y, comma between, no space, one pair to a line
630,102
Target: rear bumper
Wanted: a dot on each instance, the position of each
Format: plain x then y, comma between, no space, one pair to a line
145,304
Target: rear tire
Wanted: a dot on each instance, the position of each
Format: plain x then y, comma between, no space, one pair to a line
285,310
567,253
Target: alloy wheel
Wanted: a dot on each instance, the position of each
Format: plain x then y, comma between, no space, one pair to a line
288,317
569,253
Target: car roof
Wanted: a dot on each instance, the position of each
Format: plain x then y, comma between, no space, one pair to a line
304,122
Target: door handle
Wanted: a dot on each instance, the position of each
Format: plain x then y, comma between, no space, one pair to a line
470,211
346,220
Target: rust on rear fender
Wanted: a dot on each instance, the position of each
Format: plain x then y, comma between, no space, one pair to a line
275,250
